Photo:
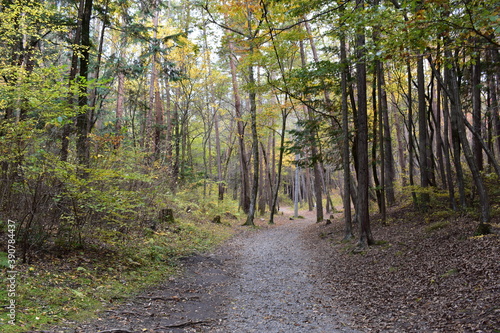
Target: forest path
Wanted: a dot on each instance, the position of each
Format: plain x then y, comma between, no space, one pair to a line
276,288
260,281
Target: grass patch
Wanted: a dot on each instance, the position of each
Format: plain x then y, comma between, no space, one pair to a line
79,285
437,226
449,273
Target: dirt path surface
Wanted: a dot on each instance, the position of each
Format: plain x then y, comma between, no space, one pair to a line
276,288
261,281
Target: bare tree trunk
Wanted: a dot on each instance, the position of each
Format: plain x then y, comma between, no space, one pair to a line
439,141
411,146
389,169
308,188
296,191
446,150
120,102
476,111
66,130
457,152
262,181
453,88
255,145
220,179
494,90
366,237
423,137
284,116
378,190
314,151
82,119
397,120
348,234
245,198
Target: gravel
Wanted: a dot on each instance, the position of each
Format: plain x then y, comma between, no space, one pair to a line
263,280
275,289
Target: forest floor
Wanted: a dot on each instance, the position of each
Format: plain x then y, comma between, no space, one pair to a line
425,275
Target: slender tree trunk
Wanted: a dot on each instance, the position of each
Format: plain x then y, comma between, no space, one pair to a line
348,233
476,111
255,145
245,198
398,119
176,123
446,150
296,191
494,109
262,181
314,151
457,151
366,237
66,131
382,141
284,116
154,129
439,141
82,119
120,102
220,179
423,137
411,146
389,169
469,156
93,95
378,190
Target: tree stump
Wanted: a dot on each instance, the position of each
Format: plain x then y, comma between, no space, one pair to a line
216,219
166,216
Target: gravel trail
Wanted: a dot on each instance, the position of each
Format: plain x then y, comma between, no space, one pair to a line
263,281
275,288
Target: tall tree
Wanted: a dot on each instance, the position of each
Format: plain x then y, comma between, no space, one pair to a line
345,141
83,118
363,212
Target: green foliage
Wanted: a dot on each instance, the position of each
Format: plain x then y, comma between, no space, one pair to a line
437,226
84,281
4,261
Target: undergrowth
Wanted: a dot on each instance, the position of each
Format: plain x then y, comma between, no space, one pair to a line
77,283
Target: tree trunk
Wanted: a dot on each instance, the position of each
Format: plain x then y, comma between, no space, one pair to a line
457,152
454,91
446,145
439,141
411,146
120,102
245,198
348,233
378,186
66,130
284,116
476,111
255,145
389,168
493,86
82,119
363,213
423,137
314,150
220,179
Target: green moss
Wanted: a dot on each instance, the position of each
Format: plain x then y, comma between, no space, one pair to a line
449,273
437,226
